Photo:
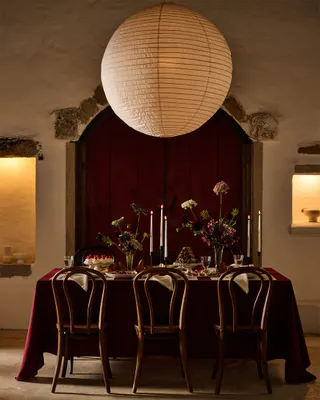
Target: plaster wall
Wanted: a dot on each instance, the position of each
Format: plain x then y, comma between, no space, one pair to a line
50,58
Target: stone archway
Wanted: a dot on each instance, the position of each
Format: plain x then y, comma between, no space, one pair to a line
71,122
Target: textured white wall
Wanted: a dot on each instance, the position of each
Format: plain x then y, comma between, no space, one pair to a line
50,58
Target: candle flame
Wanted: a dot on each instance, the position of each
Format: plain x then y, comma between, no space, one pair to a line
259,212
161,205
151,212
165,217
249,217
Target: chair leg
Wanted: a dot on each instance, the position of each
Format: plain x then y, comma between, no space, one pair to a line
104,359
184,359
220,365
258,358
139,361
109,369
60,352
71,365
263,347
65,357
215,368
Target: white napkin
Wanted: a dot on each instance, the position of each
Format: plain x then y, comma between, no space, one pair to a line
241,280
80,279
164,280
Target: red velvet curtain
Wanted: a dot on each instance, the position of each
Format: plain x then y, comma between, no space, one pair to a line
123,166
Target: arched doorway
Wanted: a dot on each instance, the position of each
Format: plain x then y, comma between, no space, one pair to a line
117,166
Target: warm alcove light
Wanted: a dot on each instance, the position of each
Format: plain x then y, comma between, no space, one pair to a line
17,206
305,194
166,70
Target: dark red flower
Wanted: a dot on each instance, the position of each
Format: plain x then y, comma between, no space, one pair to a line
197,226
184,219
99,236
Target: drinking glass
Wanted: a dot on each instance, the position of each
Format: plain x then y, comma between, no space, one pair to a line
238,259
205,262
68,261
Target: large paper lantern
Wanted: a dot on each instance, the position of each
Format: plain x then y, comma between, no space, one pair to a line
166,70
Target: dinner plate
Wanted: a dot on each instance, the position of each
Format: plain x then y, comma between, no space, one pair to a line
189,266
121,275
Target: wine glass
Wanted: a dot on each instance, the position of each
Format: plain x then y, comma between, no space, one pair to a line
68,261
238,259
205,262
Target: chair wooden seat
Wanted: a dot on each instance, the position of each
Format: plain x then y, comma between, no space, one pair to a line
82,328
255,329
159,329
156,331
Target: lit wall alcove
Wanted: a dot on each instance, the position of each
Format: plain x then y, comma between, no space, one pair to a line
17,208
112,166
306,200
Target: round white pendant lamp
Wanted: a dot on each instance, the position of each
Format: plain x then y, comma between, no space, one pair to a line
166,70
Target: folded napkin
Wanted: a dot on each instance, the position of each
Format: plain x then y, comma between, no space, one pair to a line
241,280
80,279
166,280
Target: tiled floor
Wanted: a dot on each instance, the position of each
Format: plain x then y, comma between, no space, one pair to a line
161,378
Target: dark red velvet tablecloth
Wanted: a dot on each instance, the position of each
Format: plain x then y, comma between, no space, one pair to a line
285,335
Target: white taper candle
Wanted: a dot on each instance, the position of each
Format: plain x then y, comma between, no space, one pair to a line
151,232
165,237
249,237
161,226
259,231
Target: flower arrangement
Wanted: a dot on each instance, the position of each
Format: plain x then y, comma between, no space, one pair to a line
127,240
215,232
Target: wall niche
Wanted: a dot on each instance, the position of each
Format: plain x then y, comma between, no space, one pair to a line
306,200
17,215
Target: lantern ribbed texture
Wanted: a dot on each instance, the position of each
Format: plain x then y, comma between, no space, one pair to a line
166,70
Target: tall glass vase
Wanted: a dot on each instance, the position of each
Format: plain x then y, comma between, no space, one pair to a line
129,261
218,256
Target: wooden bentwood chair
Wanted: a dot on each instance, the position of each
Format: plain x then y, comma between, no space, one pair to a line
256,328
152,330
68,325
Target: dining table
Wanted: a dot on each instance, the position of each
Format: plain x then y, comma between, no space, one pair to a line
285,334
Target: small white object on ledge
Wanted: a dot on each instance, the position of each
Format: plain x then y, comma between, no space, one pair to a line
19,257
7,258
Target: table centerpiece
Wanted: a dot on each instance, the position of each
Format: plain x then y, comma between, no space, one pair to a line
217,233
128,240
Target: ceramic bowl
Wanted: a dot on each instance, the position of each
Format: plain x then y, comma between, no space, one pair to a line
311,214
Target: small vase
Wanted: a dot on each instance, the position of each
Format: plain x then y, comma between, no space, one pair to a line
129,261
218,255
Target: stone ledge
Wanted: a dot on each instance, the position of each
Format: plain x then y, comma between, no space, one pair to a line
10,270
305,229
20,147
307,169
310,149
